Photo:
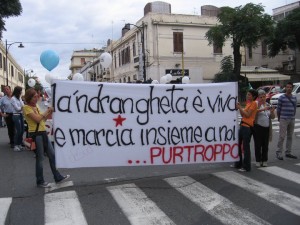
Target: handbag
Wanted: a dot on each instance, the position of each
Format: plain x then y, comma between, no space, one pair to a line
29,142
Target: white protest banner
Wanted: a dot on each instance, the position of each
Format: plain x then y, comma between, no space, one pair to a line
111,124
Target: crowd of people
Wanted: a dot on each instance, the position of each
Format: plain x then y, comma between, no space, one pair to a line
256,122
15,113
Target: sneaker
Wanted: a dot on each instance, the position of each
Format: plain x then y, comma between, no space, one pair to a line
242,170
44,185
21,147
63,179
291,156
258,164
264,164
16,149
279,157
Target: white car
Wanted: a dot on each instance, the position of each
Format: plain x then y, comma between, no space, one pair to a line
295,91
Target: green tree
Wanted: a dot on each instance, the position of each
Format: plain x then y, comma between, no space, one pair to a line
8,8
286,34
244,26
226,74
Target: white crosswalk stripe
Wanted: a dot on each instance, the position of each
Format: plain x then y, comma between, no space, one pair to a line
4,207
275,126
137,207
213,203
287,201
63,208
285,174
138,204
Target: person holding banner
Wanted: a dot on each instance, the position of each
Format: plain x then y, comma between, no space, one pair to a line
248,116
263,129
37,130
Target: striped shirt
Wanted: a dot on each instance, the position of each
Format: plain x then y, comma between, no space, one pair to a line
285,108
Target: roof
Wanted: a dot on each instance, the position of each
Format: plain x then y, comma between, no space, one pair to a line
266,77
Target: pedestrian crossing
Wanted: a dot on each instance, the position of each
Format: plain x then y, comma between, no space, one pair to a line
139,203
275,126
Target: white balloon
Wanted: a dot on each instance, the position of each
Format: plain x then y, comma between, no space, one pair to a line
78,76
105,59
31,82
169,77
48,78
163,80
53,77
155,82
185,80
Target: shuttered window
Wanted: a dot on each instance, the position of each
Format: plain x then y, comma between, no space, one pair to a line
178,41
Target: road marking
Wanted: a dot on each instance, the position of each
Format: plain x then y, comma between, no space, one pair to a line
286,174
55,186
63,208
277,128
4,207
287,201
298,164
213,203
138,208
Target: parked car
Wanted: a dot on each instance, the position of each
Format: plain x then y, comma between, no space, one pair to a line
295,91
270,90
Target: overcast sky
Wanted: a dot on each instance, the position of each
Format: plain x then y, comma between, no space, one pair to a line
67,25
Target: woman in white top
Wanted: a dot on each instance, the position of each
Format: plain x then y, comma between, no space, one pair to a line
18,119
263,129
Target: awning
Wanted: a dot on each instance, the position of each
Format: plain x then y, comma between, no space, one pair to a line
266,77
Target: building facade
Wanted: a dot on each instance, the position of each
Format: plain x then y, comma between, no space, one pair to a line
162,43
286,62
81,58
15,73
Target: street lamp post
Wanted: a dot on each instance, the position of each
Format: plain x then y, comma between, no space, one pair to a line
143,47
7,46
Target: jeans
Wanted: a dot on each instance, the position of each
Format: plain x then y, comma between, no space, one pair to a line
286,129
244,143
44,145
10,128
19,128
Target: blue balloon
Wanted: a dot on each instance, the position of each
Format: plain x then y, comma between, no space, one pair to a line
49,59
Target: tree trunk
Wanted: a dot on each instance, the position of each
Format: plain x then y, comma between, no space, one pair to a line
237,61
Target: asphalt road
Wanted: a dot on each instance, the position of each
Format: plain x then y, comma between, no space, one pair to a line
183,194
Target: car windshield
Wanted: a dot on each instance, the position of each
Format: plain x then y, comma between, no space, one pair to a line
265,88
294,88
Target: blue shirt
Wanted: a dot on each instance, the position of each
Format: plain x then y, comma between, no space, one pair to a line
5,105
286,109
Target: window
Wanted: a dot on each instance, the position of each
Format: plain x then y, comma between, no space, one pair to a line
1,60
82,61
20,76
250,52
133,49
125,55
178,41
264,48
217,50
12,70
